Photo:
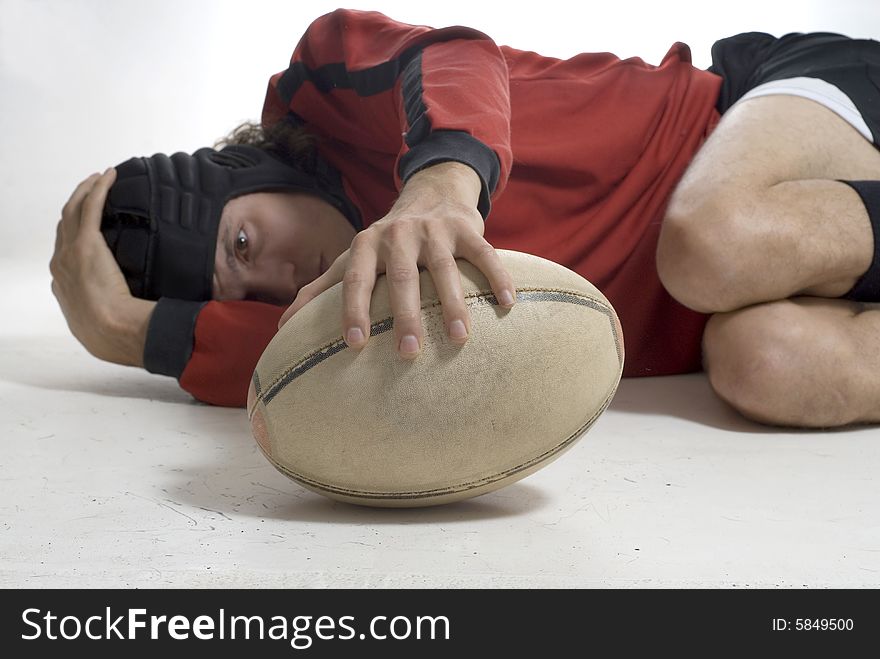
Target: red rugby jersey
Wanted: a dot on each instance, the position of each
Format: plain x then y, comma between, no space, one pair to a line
577,160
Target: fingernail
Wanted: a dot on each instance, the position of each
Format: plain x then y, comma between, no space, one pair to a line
457,329
355,335
506,298
409,344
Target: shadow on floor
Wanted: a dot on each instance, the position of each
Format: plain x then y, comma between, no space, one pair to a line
691,398
58,363
515,500
688,397
244,483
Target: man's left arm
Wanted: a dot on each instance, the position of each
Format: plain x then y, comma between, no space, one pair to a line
429,95
451,106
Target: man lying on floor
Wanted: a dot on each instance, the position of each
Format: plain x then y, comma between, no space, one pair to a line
731,216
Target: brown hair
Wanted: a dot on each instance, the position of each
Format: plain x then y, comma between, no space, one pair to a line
286,140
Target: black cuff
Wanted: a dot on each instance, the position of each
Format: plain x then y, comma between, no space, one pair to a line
170,336
456,146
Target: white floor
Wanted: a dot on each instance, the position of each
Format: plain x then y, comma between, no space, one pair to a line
112,477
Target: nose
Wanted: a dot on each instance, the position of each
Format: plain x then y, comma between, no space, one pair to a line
281,285
273,281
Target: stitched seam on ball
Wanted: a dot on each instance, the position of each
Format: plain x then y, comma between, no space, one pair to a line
523,295
556,295
449,490
316,358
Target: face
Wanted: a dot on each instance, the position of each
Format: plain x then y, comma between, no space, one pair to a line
271,244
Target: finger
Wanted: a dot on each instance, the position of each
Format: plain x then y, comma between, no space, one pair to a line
479,252
313,289
402,273
447,280
288,313
358,283
303,296
71,211
93,204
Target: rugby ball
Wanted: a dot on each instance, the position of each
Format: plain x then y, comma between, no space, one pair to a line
375,429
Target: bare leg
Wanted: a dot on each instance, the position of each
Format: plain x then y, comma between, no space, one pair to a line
806,361
759,215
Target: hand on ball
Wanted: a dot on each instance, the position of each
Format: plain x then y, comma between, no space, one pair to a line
433,222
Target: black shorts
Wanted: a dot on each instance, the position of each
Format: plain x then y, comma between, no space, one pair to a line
750,59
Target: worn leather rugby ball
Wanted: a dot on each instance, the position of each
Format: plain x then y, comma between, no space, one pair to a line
374,429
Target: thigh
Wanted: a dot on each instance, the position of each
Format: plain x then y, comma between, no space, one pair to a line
759,214
766,140
804,361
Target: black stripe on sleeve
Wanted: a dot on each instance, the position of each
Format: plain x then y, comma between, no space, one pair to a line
366,82
430,148
413,103
170,336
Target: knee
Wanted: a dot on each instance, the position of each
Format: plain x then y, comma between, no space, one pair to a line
702,250
774,366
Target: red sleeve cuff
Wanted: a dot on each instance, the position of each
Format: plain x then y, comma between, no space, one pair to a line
230,336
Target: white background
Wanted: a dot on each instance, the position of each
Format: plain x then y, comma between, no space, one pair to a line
85,84
114,477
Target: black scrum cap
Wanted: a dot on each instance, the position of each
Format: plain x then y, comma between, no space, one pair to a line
162,214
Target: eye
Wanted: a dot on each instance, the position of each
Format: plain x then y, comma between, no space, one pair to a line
241,242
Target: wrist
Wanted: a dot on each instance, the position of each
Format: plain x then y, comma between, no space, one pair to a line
127,331
453,181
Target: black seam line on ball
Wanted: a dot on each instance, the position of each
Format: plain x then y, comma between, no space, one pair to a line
386,324
422,494
257,384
